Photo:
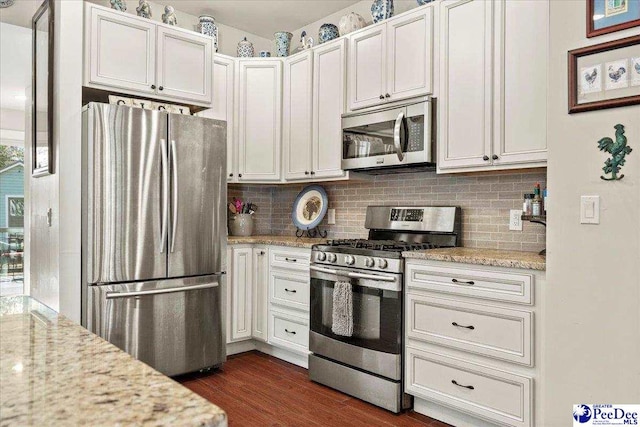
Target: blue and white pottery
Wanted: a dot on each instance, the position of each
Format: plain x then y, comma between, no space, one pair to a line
351,22
208,27
283,43
423,2
265,54
144,10
381,10
327,32
245,49
120,5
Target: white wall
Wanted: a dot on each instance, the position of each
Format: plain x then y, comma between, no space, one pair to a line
228,37
593,296
363,8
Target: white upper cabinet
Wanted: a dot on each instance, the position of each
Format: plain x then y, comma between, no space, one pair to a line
184,65
522,41
464,101
297,117
134,55
259,119
222,106
392,60
329,75
493,81
121,51
410,54
367,67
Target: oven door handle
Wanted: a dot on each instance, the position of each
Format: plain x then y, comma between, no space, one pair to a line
323,270
371,276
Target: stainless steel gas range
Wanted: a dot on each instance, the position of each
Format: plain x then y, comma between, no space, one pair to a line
367,362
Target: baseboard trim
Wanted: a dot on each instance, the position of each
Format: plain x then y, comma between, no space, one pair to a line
448,415
281,353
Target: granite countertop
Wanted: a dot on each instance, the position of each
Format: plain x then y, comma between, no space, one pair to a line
291,241
55,372
491,257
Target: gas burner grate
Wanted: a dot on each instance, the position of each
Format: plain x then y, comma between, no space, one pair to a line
380,245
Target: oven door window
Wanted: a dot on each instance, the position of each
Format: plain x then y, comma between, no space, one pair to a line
377,316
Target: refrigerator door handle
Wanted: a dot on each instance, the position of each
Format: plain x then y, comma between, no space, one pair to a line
174,166
164,162
113,295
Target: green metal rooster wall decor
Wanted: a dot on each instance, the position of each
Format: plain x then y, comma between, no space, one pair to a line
618,151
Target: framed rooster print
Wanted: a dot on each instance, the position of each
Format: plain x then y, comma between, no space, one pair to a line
606,75
607,16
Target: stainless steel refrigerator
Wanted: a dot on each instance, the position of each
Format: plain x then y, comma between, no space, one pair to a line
154,235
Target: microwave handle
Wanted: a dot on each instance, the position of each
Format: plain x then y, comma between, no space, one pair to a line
396,136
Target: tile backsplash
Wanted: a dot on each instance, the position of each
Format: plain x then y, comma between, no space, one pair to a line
485,201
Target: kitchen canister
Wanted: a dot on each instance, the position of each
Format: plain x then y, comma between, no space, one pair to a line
207,26
327,32
241,224
283,43
351,22
245,49
381,10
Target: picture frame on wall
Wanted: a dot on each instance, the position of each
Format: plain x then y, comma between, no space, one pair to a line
608,16
42,110
606,75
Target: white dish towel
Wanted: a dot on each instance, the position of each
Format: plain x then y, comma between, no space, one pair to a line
342,309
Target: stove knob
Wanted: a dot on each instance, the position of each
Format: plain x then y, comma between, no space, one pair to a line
382,263
332,257
369,262
321,256
349,260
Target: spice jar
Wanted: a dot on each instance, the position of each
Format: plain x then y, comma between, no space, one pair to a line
527,206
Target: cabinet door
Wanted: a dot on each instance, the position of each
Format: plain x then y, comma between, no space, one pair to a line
122,51
329,74
260,293
259,120
367,68
465,101
222,107
410,54
520,97
297,116
184,65
227,295
241,281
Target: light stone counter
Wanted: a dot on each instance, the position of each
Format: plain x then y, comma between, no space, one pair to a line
55,372
290,241
491,257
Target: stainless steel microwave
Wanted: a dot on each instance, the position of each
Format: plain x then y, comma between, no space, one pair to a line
395,136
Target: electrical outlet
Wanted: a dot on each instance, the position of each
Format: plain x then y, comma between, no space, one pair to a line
515,220
331,216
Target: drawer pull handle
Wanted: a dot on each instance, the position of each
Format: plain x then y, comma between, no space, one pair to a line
470,387
291,260
290,332
293,291
462,282
462,326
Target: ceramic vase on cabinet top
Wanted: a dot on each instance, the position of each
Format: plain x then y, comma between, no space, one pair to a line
327,32
207,26
350,23
169,16
423,2
120,5
381,10
245,49
265,54
143,10
283,43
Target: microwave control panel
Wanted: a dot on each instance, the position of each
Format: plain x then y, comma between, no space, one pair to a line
407,215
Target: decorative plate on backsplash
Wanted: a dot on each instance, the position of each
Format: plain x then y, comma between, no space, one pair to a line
310,207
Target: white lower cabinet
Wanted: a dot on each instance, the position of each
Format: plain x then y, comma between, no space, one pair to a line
239,294
471,354
259,293
289,331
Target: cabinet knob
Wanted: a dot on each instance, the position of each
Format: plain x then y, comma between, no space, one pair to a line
485,158
306,172
161,88
313,173
495,157
387,96
239,175
231,174
381,96
153,86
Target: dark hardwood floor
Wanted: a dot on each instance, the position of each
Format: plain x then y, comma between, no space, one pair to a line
259,390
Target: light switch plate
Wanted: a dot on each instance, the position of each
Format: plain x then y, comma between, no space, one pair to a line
590,210
331,216
515,220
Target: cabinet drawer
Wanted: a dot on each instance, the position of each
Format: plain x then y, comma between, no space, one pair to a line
490,331
479,390
486,284
290,260
290,290
289,331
